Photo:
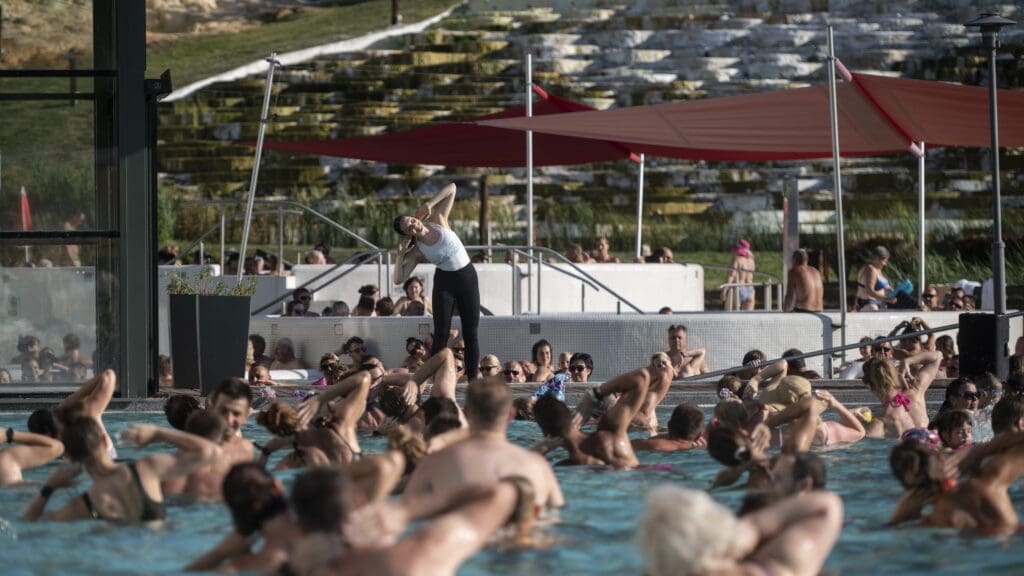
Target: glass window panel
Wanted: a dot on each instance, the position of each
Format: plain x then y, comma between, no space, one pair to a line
61,154
60,322
57,34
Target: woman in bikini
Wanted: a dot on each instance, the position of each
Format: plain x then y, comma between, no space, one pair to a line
901,393
872,286
426,237
981,502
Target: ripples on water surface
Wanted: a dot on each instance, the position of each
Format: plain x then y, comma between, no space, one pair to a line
595,533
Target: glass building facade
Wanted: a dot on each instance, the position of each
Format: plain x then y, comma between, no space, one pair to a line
76,199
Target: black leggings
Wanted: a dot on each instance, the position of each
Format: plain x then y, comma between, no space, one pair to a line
460,287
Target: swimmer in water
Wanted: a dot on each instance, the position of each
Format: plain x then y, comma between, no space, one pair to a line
684,432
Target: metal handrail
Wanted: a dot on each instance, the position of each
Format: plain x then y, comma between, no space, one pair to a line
774,279
293,204
827,351
565,260
767,286
525,254
362,256
195,243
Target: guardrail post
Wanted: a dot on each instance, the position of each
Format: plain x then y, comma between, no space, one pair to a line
583,297
223,224
280,241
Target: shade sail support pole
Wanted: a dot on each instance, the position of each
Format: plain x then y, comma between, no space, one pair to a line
920,222
256,164
529,177
833,112
640,208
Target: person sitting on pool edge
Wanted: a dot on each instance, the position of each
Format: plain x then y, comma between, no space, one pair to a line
684,362
119,492
684,432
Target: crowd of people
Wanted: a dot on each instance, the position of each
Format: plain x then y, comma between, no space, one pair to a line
450,482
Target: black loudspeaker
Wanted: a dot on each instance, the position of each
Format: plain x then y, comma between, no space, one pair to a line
984,344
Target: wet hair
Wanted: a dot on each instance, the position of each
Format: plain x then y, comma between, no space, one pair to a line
392,402
915,465
331,367
732,414
82,437
178,408
259,344
412,446
686,422
487,401
725,447
881,377
410,281
397,225
536,348
384,307
234,389
66,412
949,421
523,407
322,499
280,419
582,357
437,407
1007,413
809,465
252,496
41,421
206,424
440,425
552,415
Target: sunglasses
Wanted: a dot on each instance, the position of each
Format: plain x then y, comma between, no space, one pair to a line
512,372
928,295
577,368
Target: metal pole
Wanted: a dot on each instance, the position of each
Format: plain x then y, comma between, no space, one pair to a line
223,223
280,241
640,208
998,247
838,186
920,223
202,255
256,165
529,178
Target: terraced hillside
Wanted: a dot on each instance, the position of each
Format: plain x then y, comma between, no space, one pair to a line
604,54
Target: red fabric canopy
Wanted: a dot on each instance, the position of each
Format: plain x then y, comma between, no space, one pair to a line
877,115
469,144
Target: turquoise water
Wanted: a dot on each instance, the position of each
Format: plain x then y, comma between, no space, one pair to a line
595,532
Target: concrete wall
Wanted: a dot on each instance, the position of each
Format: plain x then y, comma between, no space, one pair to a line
649,287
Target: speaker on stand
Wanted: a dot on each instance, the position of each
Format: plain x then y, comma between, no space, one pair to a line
984,344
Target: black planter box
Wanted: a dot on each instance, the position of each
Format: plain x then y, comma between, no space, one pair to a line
209,339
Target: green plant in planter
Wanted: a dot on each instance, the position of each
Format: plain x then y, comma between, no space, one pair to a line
204,285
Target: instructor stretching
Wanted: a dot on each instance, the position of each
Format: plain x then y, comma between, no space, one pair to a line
426,237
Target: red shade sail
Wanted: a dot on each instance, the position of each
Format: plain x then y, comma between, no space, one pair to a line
877,115
469,144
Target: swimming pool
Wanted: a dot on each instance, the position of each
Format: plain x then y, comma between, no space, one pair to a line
596,530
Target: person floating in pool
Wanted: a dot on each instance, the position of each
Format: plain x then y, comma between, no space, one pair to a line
426,237
25,451
685,428
232,401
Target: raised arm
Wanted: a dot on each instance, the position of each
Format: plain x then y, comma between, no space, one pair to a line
406,260
804,414
927,363
194,452
632,389
795,535
95,394
768,376
440,206
311,406
351,408
232,545
32,450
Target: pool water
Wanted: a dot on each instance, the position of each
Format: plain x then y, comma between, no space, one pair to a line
595,532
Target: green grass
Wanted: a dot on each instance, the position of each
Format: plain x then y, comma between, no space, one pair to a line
192,58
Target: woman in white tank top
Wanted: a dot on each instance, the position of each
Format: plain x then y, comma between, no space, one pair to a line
426,237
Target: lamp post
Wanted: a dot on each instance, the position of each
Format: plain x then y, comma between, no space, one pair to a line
990,24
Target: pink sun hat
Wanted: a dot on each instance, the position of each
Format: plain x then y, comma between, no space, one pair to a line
742,248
